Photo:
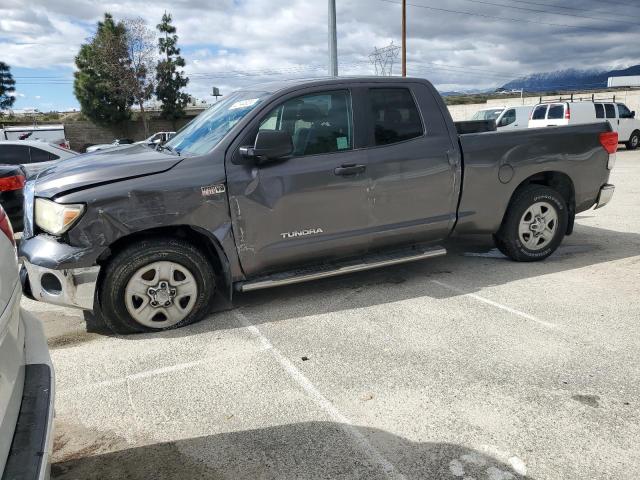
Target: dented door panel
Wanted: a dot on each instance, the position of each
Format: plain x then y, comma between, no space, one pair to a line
298,211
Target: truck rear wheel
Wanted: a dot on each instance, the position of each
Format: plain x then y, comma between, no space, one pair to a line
534,225
156,284
634,141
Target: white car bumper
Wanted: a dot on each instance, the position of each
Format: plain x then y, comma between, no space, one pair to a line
30,454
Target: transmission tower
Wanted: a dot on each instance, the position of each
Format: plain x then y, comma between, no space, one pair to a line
383,58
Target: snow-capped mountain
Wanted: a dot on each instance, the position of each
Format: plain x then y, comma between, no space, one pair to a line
571,79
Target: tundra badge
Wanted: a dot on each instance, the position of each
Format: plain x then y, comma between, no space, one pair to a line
302,233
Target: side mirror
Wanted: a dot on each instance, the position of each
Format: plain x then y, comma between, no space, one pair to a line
633,114
270,145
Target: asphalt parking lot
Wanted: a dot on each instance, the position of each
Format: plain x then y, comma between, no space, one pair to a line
467,366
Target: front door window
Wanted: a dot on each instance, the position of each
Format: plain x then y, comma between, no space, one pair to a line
318,123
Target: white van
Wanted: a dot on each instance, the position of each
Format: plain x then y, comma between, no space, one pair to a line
46,133
621,119
507,118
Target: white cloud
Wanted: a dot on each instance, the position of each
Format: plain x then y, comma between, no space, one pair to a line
224,38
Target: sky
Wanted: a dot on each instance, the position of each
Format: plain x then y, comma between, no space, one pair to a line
460,45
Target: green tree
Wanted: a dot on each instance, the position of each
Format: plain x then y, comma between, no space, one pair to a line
6,87
170,80
102,63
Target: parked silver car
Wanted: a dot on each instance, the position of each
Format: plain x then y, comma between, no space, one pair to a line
33,155
26,376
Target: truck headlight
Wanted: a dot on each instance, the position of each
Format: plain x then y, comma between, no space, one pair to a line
56,218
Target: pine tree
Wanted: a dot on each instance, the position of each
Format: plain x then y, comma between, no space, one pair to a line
6,87
170,80
102,63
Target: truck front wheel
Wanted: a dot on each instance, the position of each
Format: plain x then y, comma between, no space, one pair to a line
534,225
156,284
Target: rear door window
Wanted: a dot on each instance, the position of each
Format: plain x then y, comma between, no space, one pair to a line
38,155
539,113
14,154
395,115
556,112
610,110
599,110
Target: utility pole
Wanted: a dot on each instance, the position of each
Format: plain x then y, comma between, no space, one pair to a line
333,40
404,38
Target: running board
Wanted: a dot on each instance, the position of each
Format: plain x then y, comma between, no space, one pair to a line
315,273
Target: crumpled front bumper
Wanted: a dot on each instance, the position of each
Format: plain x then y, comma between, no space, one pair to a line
58,273
74,287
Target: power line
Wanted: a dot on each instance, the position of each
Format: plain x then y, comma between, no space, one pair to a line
483,2
510,19
565,8
632,4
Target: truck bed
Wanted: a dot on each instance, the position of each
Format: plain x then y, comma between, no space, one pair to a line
496,163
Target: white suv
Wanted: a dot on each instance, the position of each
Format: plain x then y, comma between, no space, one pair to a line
26,376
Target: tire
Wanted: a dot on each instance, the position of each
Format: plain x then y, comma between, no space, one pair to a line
170,273
634,140
544,216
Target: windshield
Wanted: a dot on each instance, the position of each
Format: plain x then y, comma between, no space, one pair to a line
205,131
487,114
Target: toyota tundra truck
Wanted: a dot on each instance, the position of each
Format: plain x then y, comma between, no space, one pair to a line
294,181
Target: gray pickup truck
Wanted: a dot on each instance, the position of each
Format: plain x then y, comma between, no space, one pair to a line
294,181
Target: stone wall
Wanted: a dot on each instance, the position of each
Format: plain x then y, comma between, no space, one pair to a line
82,133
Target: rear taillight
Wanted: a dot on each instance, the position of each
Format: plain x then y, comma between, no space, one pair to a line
609,140
567,113
5,226
15,182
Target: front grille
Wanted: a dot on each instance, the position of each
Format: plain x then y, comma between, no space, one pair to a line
27,230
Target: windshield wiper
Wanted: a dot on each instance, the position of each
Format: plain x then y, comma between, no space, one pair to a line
161,148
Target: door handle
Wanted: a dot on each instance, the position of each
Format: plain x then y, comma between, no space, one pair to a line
351,169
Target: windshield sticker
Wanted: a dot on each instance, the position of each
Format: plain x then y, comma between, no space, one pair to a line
244,103
342,143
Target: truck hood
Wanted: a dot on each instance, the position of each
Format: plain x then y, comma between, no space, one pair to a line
102,167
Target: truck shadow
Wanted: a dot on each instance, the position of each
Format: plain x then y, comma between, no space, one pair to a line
309,450
472,265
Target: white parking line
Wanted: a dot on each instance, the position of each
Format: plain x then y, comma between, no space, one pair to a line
496,304
345,423
139,375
